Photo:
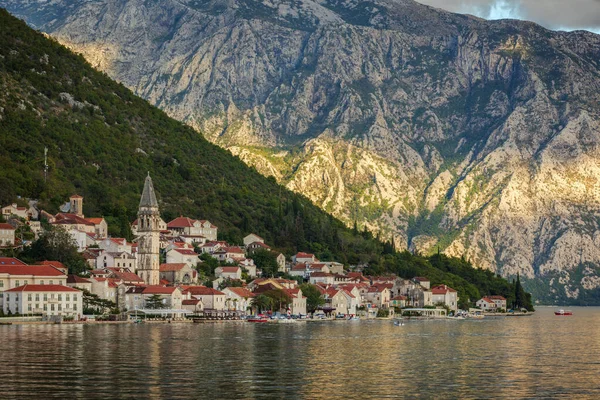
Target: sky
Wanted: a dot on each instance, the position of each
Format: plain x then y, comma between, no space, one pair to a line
565,15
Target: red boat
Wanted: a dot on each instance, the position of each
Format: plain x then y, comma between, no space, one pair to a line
563,312
258,318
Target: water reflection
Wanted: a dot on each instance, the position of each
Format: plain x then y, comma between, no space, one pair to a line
540,356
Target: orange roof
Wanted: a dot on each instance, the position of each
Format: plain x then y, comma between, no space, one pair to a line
304,255
400,297
442,289
35,270
170,267
181,222
230,270
186,252
7,226
202,291
76,196
242,292
55,264
11,261
191,302
76,279
43,288
96,221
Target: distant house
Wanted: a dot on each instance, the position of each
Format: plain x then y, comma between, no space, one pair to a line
49,300
253,238
177,256
178,273
486,304
398,301
228,272
238,299
500,302
305,258
136,297
255,246
212,299
322,277
78,282
193,228
115,245
7,235
212,247
445,295
281,262
423,282
118,259
193,305
249,266
14,210
298,304
229,254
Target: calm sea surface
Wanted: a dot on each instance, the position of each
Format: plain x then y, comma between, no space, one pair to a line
541,356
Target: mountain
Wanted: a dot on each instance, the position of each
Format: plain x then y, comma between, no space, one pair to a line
440,130
102,140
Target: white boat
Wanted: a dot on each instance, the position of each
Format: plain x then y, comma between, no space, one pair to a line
398,323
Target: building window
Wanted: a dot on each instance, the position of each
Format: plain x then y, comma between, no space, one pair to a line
45,297
59,307
41,282
60,297
29,307
37,297
17,284
68,297
28,296
25,282
45,307
74,297
1,284
75,306
52,282
51,307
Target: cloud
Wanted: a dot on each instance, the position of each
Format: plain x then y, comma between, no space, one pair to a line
553,14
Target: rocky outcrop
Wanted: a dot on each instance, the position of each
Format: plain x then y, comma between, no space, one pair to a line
445,131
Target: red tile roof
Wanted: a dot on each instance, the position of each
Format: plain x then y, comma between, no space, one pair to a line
191,302
497,298
66,218
442,289
43,288
186,252
76,279
241,292
202,291
234,249
76,196
170,267
304,255
55,264
125,276
96,221
319,274
400,297
35,270
181,222
259,244
230,270
11,261
7,226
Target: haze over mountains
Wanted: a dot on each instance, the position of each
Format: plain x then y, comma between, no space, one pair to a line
480,138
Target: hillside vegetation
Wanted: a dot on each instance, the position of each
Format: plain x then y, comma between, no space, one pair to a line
102,140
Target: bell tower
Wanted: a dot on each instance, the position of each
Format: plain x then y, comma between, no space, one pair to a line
76,205
149,235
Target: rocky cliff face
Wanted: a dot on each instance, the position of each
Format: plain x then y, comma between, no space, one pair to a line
442,130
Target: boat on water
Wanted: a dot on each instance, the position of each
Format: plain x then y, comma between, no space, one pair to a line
398,323
258,319
562,312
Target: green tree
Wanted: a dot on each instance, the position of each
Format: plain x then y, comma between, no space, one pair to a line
155,302
266,261
261,303
314,299
279,298
93,304
56,244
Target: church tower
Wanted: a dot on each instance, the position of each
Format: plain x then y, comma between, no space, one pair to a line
149,235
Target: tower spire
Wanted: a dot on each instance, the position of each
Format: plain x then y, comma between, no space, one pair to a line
148,198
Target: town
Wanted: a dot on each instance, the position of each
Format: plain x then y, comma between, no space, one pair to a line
180,270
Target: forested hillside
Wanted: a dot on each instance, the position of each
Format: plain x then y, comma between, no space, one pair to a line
102,141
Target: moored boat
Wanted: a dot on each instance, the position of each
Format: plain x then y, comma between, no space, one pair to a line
562,312
258,318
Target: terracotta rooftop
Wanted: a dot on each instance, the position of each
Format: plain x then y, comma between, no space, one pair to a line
43,288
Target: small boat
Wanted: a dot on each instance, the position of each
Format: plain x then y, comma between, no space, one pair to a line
563,312
398,323
258,318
